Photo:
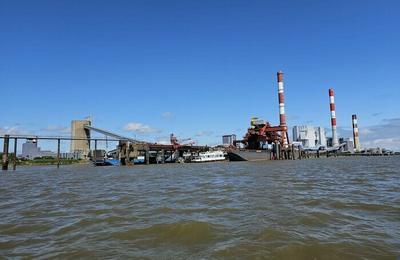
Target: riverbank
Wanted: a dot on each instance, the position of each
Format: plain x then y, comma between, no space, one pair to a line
48,161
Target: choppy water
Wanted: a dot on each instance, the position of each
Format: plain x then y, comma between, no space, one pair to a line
334,208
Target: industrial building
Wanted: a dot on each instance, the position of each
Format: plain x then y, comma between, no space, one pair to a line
227,140
348,144
309,136
78,131
30,150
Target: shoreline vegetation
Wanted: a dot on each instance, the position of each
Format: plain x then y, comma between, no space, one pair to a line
39,161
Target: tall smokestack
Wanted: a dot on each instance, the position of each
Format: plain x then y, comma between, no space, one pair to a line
335,141
355,133
282,116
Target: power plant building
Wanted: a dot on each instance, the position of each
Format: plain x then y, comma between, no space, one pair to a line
309,136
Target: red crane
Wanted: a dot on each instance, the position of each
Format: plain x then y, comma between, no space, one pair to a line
175,143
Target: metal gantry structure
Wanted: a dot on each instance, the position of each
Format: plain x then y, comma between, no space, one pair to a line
126,145
6,143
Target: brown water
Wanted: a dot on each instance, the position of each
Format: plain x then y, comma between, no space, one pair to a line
334,208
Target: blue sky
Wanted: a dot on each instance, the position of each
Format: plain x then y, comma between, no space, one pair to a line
199,68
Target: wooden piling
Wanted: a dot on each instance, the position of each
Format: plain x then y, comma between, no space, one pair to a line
127,154
5,152
15,154
293,155
162,156
147,156
58,152
278,151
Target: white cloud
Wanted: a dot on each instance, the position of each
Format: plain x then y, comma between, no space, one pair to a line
167,115
163,141
12,130
140,128
57,129
384,135
204,133
366,131
388,143
292,117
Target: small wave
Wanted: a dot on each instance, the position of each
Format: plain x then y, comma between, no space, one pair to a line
186,233
163,210
315,219
271,234
365,206
97,212
189,211
338,205
246,250
67,228
118,219
33,213
338,250
312,202
25,229
74,254
86,222
222,210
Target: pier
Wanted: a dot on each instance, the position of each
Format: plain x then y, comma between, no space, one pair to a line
126,150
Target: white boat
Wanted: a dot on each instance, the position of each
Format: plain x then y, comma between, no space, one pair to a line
210,156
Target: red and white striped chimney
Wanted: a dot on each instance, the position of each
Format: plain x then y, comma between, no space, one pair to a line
355,133
282,116
335,141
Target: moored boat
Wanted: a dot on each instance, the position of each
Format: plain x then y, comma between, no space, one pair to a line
209,156
249,155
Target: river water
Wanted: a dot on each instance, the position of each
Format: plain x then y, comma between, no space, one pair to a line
330,208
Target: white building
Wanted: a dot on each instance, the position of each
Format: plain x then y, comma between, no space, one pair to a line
227,140
30,150
309,136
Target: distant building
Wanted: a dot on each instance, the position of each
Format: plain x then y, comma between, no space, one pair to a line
348,144
375,150
309,136
75,156
329,142
30,150
227,140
